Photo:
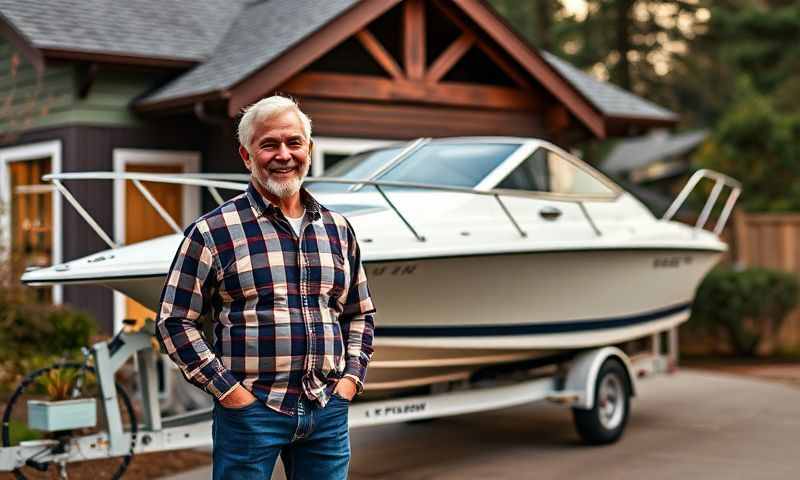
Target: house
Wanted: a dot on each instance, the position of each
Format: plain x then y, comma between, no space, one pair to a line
153,86
654,166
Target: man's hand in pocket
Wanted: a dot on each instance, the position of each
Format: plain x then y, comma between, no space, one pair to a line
240,397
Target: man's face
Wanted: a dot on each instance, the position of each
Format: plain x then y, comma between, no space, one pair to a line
278,157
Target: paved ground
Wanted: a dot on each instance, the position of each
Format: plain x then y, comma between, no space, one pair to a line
693,424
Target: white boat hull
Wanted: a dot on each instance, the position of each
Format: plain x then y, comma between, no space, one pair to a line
438,315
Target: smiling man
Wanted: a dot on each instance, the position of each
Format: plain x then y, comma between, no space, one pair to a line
281,278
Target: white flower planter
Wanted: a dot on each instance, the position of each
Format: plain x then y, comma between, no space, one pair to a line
62,415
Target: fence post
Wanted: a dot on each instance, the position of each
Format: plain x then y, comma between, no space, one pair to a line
741,256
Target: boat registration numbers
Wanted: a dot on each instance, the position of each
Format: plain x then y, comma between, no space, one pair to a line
401,270
672,261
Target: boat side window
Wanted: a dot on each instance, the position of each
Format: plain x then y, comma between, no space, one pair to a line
547,171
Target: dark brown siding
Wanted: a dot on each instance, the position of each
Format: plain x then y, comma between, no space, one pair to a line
371,120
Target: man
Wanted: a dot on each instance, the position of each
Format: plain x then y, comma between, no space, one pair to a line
281,277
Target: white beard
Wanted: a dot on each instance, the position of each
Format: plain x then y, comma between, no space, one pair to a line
284,189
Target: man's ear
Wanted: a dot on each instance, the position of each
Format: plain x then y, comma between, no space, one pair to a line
310,147
245,157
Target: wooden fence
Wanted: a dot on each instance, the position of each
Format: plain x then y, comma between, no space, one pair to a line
770,240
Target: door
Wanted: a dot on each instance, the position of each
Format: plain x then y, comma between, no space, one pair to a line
142,222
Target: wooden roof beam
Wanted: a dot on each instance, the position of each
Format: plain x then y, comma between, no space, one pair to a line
414,38
533,63
450,57
379,53
513,73
362,87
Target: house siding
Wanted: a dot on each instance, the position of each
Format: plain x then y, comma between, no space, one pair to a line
28,100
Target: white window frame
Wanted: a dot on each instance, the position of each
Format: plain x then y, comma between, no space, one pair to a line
340,146
33,151
191,208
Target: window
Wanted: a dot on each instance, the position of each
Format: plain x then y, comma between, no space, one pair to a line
357,167
451,164
547,171
31,218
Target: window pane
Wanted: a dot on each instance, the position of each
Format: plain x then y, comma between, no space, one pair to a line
546,171
457,165
531,175
31,219
567,178
359,167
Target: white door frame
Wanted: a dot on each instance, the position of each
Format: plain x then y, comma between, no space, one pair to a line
191,208
340,146
33,151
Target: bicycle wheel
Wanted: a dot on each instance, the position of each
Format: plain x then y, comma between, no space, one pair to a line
15,416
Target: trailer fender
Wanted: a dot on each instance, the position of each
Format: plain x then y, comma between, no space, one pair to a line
582,375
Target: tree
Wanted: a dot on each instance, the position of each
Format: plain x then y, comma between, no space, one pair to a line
533,19
757,144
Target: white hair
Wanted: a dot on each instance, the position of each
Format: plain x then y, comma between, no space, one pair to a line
264,109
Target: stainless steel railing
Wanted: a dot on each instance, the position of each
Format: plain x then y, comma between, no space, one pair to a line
720,181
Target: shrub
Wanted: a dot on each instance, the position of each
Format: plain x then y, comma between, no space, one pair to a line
27,330
746,304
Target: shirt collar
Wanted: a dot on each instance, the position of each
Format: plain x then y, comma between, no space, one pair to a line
263,207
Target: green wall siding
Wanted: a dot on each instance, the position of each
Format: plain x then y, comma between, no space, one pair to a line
27,102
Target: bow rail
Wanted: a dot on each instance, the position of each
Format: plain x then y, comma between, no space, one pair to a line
720,181
238,182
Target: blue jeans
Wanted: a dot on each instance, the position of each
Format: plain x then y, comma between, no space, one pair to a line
314,444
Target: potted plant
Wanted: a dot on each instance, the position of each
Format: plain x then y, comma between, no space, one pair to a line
65,409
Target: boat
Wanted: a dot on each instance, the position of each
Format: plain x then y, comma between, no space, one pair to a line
480,252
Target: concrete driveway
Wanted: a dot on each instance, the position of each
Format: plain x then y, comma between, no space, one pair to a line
689,425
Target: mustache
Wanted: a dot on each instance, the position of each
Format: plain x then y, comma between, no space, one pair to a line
285,165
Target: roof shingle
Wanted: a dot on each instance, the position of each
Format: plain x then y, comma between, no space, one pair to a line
640,152
261,33
609,99
174,29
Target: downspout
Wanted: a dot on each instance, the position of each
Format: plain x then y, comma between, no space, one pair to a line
207,118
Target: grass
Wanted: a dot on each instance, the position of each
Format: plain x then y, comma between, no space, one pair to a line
20,432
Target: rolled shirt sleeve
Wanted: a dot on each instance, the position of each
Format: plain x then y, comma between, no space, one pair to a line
184,299
357,318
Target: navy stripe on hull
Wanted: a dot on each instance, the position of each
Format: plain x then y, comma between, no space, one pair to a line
531,329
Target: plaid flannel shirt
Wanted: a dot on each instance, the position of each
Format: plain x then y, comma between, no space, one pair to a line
290,315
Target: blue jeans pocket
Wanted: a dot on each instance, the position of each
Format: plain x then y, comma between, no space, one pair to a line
340,398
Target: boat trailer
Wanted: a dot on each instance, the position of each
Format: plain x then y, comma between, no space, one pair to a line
596,383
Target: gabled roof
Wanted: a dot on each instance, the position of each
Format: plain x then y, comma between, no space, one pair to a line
235,45
261,33
608,98
640,152
184,30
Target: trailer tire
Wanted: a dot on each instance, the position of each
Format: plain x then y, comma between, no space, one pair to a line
605,422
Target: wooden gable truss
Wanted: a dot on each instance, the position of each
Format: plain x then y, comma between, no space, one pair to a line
412,95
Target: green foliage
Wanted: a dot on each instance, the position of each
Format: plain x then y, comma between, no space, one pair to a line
34,336
59,383
745,305
757,144
27,330
19,432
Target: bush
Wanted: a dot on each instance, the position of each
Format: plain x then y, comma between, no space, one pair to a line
746,304
28,330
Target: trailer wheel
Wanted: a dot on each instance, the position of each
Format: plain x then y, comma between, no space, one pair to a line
606,420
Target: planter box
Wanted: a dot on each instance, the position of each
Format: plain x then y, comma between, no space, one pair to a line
62,415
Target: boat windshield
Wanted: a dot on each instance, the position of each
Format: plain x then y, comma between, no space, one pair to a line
358,167
448,164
